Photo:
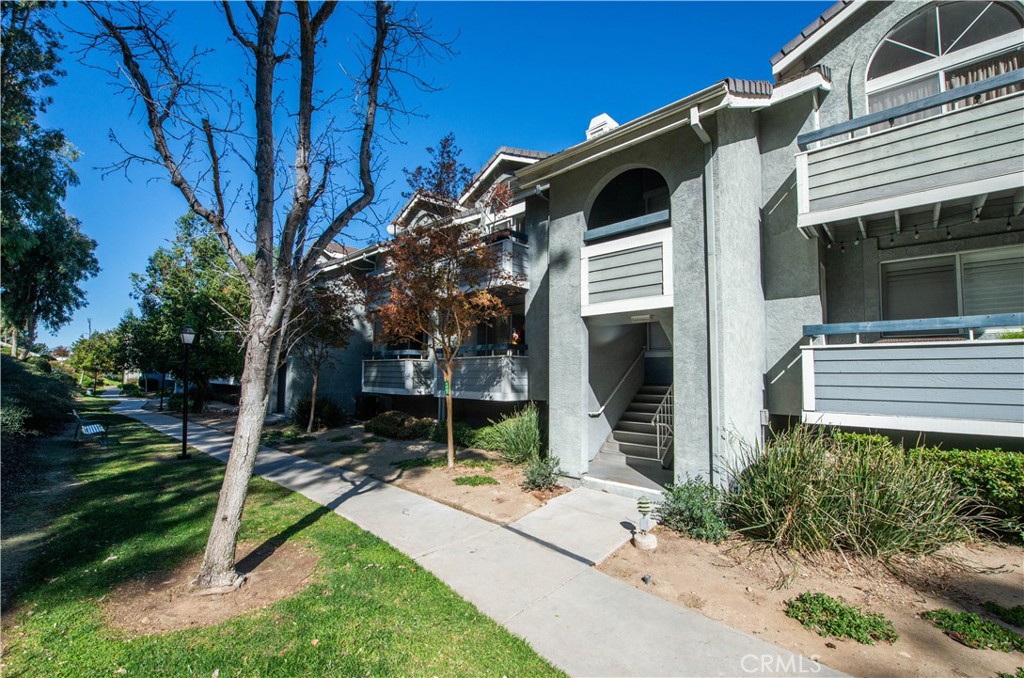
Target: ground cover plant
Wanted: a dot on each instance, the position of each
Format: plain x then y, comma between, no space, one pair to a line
419,462
369,610
1011,615
341,438
973,631
830,617
284,436
810,491
353,449
475,480
694,508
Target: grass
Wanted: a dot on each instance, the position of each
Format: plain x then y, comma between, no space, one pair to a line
373,610
1011,615
341,438
828,616
485,464
373,439
353,449
974,631
475,481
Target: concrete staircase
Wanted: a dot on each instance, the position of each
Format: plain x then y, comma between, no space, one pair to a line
635,437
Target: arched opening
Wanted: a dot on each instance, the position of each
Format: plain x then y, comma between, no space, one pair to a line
943,47
634,193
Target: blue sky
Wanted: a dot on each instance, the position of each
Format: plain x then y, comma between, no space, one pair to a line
527,74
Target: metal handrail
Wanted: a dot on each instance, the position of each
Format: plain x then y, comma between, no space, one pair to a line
1000,81
662,420
963,322
639,355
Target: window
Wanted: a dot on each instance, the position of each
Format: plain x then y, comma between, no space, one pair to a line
971,283
942,47
634,193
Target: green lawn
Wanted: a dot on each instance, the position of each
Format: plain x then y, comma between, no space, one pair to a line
373,611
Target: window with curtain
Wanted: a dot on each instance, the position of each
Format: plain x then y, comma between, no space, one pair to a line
942,47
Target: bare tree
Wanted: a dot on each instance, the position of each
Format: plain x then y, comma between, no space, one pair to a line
293,210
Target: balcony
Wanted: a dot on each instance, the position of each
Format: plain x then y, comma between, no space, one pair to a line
398,373
951,385
514,263
973,151
496,373
632,272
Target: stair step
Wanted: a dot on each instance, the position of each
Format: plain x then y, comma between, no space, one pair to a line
636,417
654,390
650,408
648,398
630,449
636,438
636,427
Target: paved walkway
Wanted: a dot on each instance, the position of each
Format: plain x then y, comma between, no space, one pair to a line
535,576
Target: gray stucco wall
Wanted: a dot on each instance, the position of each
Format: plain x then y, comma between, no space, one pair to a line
612,349
537,307
340,380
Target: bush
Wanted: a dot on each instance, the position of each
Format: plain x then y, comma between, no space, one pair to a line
995,476
463,434
811,491
541,472
517,437
974,631
43,397
131,390
827,616
174,403
43,364
328,413
401,426
695,509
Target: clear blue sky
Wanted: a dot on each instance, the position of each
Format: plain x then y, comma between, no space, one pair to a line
527,74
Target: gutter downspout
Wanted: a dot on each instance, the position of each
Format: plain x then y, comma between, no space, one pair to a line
711,285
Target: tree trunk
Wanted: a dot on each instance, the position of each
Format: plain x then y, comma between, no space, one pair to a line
14,343
218,568
447,371
312,402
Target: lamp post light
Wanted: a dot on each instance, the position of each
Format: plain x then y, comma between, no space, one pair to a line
188,335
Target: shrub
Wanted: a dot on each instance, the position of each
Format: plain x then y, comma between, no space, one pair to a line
328,413
541,472
517,437
828,616
809,491
43,364
131,390
694,508
44,397
475,481
462,434
399,425
995,476
974,631
1011,615
420,462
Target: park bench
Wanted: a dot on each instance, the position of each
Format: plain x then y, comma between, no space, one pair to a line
87,429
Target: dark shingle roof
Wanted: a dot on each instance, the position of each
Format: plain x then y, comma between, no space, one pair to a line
812,28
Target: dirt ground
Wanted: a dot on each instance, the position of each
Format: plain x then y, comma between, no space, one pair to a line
164,602
748,591
503,503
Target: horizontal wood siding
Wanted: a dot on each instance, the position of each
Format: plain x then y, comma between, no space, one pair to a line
497,378
398,377
970,380
973,143
627,274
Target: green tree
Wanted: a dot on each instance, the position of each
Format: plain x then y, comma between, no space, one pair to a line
45,254
190,282
93,356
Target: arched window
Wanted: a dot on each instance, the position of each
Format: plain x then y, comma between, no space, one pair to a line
634,193
942,47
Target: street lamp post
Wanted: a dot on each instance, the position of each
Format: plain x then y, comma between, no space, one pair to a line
188,335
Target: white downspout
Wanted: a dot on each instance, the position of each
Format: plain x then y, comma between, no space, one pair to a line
711,282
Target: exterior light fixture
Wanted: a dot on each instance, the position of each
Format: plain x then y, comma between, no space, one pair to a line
188,336
645,318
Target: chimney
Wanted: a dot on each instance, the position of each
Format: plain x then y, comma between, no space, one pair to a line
600,125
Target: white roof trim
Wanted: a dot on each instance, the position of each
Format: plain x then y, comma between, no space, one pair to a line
493,165
815,37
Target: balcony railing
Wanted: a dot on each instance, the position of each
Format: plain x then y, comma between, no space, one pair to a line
965,152
497,378
493,372
398,376
963,385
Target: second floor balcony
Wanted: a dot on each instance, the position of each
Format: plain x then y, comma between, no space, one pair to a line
968,150
492,372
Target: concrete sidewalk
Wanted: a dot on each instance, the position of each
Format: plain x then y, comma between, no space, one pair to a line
535,576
